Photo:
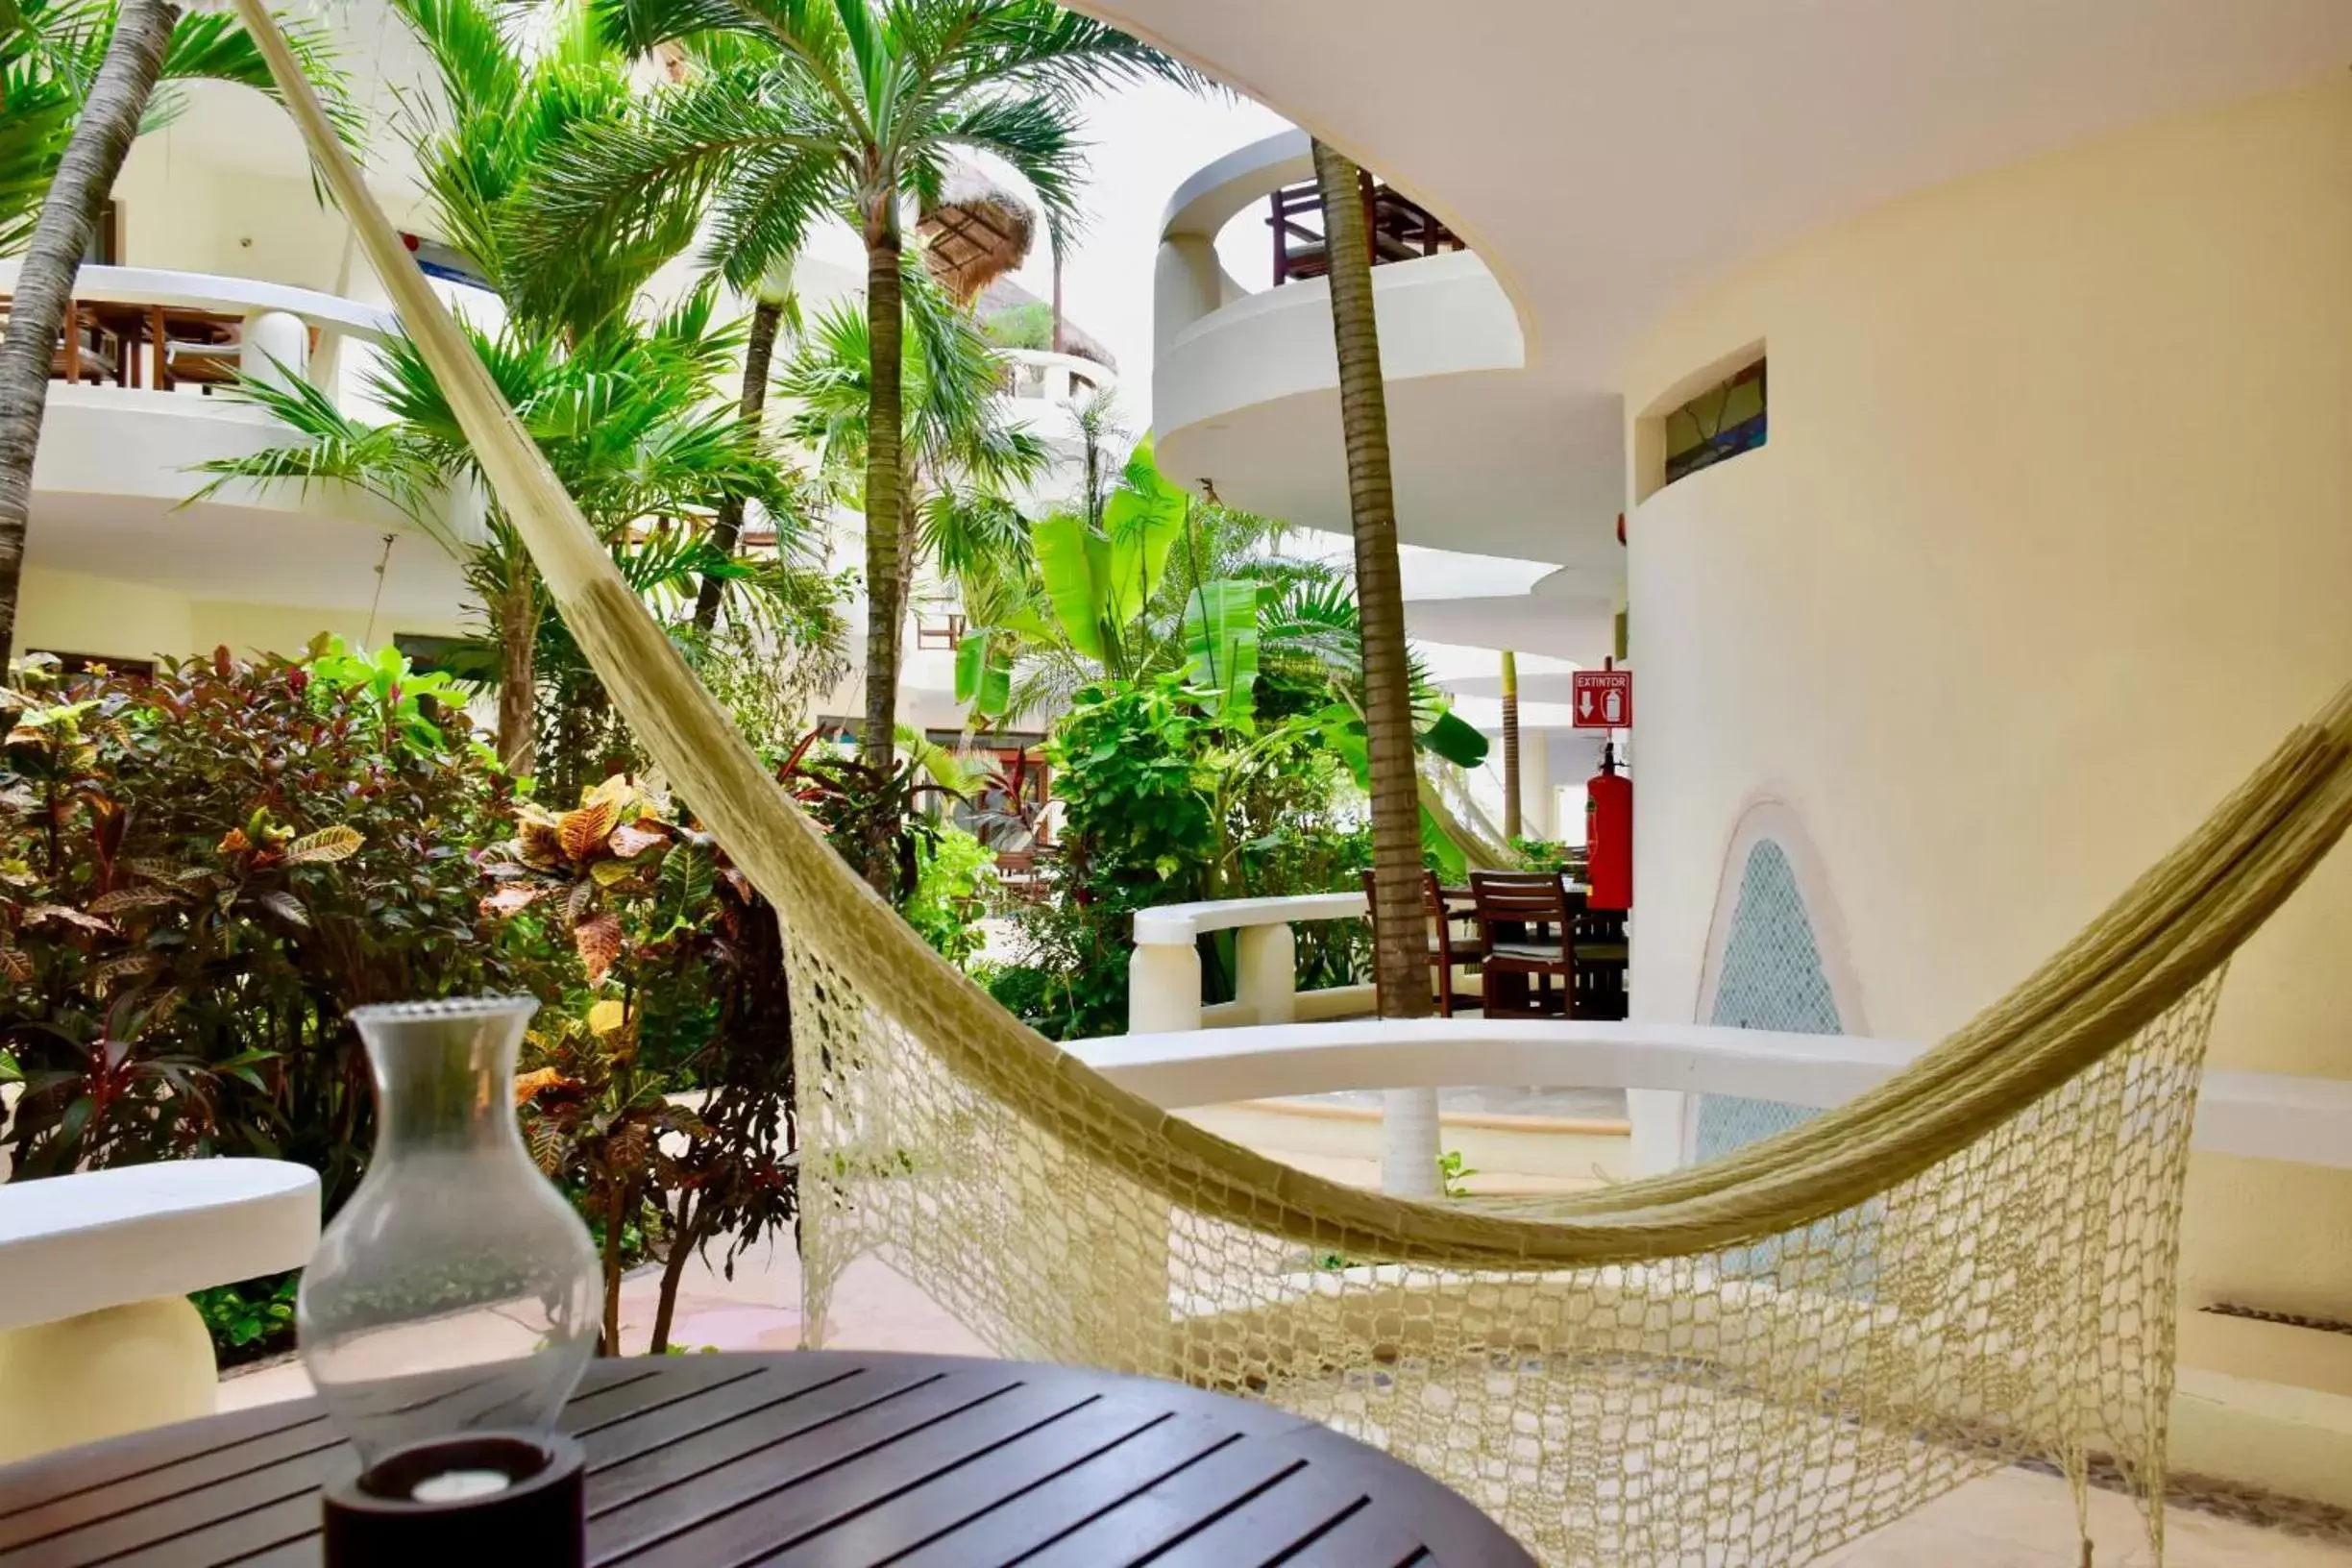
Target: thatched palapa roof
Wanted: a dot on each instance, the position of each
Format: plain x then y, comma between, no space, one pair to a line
976,232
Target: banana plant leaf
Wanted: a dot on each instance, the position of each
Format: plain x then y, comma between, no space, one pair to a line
1220,632
1072,584
984,675
1452,849
1452,739
1142,522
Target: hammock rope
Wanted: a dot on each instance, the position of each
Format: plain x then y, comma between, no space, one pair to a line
1768,1353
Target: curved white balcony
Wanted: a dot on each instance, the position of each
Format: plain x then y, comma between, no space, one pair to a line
135,411
1042,393
1246,379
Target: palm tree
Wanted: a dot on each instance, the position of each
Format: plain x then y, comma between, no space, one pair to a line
1510,746
627,415
78,85
959,454
798,110
622,410
1400,958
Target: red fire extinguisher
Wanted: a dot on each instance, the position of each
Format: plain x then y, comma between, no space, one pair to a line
1608,836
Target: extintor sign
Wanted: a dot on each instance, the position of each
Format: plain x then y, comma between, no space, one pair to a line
1602,699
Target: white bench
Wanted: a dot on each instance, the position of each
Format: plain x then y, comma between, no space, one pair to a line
97,1336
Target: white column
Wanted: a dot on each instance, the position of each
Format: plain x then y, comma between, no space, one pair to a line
1409,1144
1658,1116
1265,979
1539,815
1187,283
276,345
1164,986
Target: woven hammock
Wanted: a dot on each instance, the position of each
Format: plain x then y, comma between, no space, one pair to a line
1752,1360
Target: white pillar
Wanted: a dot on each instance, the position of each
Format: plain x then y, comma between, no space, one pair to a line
1164,986
1538,813
103,1374
276,345
1658,1117
1409,1144
1187,283
1266,978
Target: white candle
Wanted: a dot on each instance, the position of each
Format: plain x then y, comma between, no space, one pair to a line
456,1485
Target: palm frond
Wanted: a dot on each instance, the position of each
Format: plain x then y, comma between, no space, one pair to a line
334,448
640,183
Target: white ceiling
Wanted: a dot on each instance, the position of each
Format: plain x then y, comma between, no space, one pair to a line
1607,158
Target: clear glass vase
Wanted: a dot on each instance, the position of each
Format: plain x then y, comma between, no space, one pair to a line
457,1290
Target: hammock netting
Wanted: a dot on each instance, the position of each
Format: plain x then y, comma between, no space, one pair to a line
1752,1360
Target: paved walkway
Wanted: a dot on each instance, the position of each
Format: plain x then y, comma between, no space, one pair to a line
2015,1519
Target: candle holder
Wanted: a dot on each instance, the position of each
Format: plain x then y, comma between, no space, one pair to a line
451,1309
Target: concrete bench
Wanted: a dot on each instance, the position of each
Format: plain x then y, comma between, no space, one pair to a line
97,1336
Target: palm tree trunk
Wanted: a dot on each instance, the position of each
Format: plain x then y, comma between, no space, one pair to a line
93,157
518,628
759,356
1400,958
885,476
1510,746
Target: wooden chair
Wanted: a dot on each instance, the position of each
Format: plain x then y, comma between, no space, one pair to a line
1537,929
1447,950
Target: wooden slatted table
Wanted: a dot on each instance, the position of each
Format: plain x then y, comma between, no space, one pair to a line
819,1460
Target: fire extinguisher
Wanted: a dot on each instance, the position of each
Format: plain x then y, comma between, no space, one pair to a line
1608,836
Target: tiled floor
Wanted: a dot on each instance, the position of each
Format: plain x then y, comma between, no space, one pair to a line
2015,1519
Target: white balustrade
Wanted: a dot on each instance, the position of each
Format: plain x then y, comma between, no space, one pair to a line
1164,978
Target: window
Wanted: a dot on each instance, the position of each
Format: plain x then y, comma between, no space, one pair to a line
1722,421
105,248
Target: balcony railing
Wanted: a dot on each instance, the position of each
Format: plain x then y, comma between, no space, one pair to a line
1396,228
154,330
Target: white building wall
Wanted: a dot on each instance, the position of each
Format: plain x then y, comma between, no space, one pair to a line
2049,546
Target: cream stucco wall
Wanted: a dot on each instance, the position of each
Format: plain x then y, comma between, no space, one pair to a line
72,612
2050,543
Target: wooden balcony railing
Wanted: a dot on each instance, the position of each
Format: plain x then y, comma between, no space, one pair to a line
160,346
1396,228
940,636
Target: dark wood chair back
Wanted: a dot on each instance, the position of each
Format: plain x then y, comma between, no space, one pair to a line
1522,898
1447,951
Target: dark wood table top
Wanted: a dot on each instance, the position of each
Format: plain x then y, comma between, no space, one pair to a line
835,1459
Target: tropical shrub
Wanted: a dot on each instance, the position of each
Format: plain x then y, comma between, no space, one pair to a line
1171,795
251,1320
954,887
659,1081
201,873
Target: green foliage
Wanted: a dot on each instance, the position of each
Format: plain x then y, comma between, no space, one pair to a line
251,1320
1097,581
1220,632
1454,1174
50,51
200,874
663,973
953,890
1131,772
1028,325
797,111
412,705
1166,798
1548,855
